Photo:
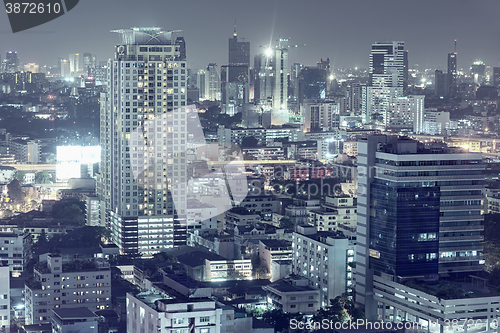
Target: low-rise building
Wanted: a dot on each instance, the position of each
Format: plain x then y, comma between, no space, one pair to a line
492,201
208,266
273,250
293,295
148,313
239,216
335,213
72,320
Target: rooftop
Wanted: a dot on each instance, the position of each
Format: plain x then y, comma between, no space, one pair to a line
285,286
275,243
197,258
70,313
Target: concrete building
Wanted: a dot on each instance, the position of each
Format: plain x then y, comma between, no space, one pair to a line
293,295
402,182
74,320
271,250
150,65
403,112
25,152
320,115
85,284
264,136
5,297
336,213
492,202
324,257
14,250
93,211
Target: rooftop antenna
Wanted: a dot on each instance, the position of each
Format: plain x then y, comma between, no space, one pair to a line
455,46
235,34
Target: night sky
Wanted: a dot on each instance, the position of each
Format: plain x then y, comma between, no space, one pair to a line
342,30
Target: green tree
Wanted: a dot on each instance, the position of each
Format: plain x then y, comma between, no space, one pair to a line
42,177
261,272
449,291
249,142
20,176
164,257
341,308
69,209
287,224
15,191
281,320
494,277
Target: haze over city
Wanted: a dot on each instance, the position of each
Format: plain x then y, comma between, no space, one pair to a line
340,30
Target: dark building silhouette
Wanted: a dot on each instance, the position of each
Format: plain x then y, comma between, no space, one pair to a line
452,71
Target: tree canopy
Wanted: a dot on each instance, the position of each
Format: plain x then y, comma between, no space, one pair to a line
15,192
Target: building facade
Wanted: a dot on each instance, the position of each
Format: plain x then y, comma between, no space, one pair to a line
84,284
424,201
324,258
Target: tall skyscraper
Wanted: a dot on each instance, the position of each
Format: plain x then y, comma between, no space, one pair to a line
235,76
386,79
419,214
89,63
64,68
75,63
212,83
11,62
496,77
280,95
441,84
452,74
239,52
143,142
478,71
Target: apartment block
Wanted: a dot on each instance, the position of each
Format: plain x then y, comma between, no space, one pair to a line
324,258
55,285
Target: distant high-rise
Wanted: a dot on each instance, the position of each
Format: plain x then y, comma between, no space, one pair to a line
239,52
477,72
386,80
313,83
143,120
212,83
200,83
64,67
280,95
74,63
235,76
89,62
441,84
496,77
452,74
11,62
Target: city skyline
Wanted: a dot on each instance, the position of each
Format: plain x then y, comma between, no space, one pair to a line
429,32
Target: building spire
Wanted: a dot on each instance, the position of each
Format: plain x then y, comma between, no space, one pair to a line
235,34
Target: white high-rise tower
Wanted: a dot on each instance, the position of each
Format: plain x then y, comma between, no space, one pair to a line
143,122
